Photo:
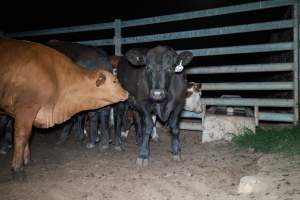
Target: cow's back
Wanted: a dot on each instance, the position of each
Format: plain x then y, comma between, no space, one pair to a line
88,57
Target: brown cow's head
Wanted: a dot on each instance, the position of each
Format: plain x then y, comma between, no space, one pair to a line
105,88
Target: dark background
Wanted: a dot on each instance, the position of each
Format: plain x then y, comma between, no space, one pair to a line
26,15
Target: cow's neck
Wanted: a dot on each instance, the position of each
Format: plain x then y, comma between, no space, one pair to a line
71,98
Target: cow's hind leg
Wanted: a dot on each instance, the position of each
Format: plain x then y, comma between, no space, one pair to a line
7,140
23,126
66,131
93,117
104,127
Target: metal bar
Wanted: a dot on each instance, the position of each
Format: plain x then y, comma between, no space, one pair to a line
207,13
117,38
296,60
256,115
240,68
247,86
249,102
104,42
63,30
210,32
192,126
265,116
188,114
243,49
278,117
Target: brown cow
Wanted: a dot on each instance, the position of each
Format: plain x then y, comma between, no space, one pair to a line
40,86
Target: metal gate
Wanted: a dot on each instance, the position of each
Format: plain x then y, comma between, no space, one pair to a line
293,23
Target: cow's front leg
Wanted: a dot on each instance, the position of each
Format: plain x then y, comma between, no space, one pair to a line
22,131
174,126
147,127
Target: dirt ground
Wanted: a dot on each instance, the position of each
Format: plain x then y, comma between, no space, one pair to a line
207,171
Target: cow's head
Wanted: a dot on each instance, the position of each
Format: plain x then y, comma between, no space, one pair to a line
104,88
160,65
193,98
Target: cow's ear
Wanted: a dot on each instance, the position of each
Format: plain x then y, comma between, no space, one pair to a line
185,58
114,61
136,56
100,79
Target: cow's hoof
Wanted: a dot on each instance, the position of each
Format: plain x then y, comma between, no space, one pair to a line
104,147
3,152
155,139
142,162
176,157
19,176
118,148
90,145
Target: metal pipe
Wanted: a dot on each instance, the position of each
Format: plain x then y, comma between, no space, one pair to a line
63,30
117,38
240,68
208,12
296,61
283,46
265,116
210,32
247,86
249,102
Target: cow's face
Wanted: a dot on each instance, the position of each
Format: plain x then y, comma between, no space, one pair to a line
105,88
193,98
160,65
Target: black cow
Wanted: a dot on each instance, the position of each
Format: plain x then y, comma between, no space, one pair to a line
91,58
158,88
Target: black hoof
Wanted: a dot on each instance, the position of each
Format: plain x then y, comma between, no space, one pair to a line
19,176
3,151
90,145
118,148
142,162
176,157
104,147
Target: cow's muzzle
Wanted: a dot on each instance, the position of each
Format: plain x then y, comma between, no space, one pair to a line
157,94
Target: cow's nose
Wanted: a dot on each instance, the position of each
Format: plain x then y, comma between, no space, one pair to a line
157,94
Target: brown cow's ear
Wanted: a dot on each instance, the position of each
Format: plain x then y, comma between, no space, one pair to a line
114,61
100,80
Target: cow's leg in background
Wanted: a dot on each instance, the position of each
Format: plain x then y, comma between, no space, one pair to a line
6,143
138,128
79,126
66,131
147,128
93,120
104,114
119,114
23,126
174,126
154,135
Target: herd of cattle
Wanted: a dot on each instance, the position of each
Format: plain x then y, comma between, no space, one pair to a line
46,84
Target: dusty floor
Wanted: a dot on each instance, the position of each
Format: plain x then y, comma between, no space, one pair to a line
207,171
